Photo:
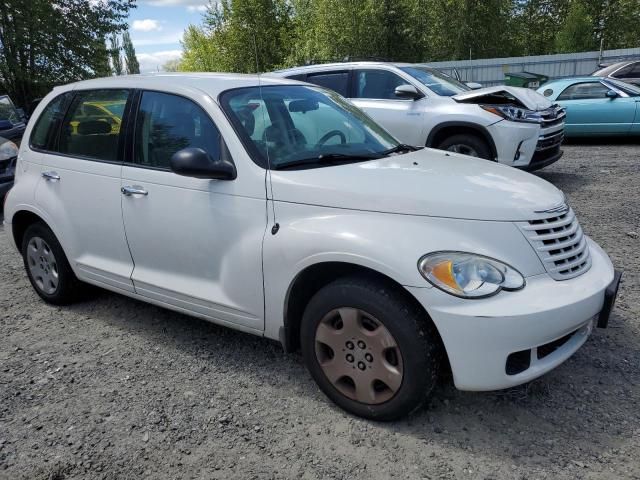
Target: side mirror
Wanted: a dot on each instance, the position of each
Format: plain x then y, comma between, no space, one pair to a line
407,91
197,163
473,85
612,94
23,115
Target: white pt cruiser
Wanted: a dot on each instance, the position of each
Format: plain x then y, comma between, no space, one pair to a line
280,209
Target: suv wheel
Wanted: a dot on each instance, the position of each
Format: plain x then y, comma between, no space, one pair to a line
369,350
47,266
471,145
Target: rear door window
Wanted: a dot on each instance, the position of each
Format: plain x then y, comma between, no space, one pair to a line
336,81
92,128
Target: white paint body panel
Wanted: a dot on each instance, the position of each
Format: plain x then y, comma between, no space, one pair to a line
205,247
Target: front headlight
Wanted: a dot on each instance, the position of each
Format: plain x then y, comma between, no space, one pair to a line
513,113
467,275
8,150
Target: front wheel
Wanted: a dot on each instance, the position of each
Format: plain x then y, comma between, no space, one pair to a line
369,349
471,145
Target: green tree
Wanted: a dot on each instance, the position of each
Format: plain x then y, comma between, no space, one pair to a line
116,59
577,32
130,58
239,36
48,42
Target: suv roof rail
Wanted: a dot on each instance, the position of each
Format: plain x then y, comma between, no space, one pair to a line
317,61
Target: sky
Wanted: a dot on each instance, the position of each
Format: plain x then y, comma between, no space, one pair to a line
156,28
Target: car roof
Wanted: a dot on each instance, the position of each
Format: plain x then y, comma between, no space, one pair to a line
210,83
570,80
343,65
604,71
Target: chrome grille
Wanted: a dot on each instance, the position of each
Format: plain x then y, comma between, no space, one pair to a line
559,242
553,115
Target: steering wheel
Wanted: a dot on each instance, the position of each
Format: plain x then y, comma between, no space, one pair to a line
332,133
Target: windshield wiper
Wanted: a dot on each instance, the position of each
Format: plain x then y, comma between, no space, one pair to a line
331,158
402,147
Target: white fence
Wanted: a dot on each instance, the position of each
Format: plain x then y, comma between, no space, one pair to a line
490,71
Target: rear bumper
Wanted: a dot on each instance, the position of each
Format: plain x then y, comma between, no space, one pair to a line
549,320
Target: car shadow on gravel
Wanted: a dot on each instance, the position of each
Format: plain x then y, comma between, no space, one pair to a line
579,410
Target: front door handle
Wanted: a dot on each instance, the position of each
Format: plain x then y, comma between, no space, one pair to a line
51,176
133,190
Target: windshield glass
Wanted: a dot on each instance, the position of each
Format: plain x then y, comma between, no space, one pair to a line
8,111
295,124
436,81
627,88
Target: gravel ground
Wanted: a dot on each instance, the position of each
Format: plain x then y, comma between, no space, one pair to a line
114,389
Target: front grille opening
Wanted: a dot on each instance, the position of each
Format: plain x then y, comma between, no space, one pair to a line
559,243
518,362
548,348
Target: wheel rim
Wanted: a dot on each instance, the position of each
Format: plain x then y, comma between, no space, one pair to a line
359,356
42,265
463,149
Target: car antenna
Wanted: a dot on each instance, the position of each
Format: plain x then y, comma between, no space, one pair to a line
268,182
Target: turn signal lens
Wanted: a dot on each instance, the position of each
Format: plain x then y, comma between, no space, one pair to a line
467,275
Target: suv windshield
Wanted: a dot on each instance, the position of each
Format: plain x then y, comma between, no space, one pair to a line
8,111
436,81
297,126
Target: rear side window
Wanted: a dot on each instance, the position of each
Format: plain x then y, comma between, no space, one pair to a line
377,84
92,126
167,123
336,81
48,123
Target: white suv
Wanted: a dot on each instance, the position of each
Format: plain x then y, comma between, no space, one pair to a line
279,209
422,106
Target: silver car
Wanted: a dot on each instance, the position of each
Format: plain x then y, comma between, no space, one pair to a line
421,106
625,71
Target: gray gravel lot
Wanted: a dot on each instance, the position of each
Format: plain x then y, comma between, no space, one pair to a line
113,388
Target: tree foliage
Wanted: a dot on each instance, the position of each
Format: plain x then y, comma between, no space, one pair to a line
293,32
47,42
130,59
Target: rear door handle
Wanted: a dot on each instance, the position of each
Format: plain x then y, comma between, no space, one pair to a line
51,176
133,190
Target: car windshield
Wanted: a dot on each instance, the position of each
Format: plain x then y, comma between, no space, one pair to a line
627,88
8,110
297,126
436,81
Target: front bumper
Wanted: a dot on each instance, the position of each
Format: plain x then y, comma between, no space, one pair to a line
549,319
528,146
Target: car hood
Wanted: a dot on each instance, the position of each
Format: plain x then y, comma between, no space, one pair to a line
426,183
529,98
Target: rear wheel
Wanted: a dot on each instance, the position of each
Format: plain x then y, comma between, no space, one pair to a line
47,266
466,144
370,350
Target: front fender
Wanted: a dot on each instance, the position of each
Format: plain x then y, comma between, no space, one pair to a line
390,244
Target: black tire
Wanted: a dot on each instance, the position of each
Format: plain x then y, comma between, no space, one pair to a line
416,337
470,141
68,289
